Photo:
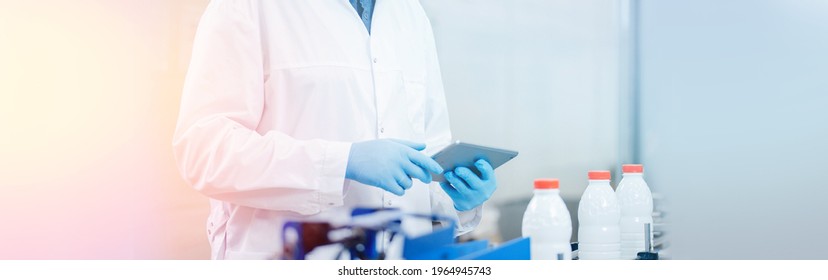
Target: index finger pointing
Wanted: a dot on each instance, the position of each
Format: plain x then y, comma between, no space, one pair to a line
425,162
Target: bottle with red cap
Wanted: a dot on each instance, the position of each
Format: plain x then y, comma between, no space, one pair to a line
547,223
636,202
599,236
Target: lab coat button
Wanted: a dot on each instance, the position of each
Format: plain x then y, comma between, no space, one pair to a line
382,130
375,60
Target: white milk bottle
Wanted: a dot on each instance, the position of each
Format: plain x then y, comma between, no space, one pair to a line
547,223
636,202
599,236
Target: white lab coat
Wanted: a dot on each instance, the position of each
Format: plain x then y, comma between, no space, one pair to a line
276,93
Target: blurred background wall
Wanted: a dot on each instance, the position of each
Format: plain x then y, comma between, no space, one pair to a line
733,124
90,92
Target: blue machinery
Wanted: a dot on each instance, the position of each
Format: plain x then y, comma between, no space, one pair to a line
359,239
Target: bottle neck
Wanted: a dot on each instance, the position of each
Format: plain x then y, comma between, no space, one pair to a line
547,191
599,182
632,174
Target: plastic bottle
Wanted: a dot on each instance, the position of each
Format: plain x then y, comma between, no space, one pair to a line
636,202
599,237
547,223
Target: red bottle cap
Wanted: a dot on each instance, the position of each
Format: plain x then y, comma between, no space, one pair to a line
544,184
632,168
599,175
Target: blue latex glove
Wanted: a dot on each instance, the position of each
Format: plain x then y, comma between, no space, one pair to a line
390,164
466,189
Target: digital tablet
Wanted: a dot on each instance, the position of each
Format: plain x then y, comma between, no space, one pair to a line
464,154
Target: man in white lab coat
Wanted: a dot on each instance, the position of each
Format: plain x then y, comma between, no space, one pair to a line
287,112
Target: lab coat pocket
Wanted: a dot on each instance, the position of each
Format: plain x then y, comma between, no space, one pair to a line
416,97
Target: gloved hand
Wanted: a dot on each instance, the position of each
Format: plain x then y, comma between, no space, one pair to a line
466,189
390,164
